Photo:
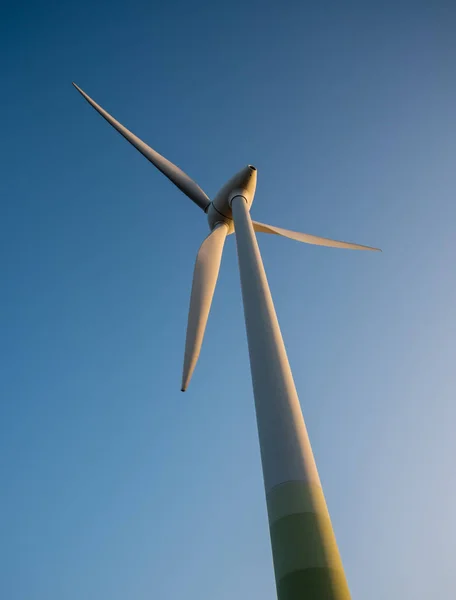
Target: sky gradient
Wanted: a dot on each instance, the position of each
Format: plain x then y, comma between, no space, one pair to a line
114,483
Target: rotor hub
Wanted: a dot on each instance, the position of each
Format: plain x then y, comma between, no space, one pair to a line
242,184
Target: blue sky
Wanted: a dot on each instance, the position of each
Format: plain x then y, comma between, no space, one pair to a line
115,484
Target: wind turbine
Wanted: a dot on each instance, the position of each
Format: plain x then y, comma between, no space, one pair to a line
306,559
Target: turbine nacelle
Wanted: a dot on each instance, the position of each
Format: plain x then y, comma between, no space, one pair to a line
242,184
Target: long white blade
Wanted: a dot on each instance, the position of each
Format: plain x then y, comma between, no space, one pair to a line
172,172
205,275
309,239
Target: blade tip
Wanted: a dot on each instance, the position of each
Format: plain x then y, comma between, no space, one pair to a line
83,94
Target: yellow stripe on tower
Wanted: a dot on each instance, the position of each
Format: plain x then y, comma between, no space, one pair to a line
307,562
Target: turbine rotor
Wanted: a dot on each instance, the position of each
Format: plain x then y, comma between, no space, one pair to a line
220,220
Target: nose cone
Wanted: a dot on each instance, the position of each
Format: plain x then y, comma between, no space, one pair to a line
242,184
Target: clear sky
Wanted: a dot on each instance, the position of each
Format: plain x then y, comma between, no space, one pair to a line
116,485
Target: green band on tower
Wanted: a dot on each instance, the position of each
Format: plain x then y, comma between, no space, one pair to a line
306,558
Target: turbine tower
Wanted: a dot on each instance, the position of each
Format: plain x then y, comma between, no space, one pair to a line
306,559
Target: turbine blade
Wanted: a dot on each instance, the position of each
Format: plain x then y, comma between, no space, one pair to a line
205,275
309,239
171,171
